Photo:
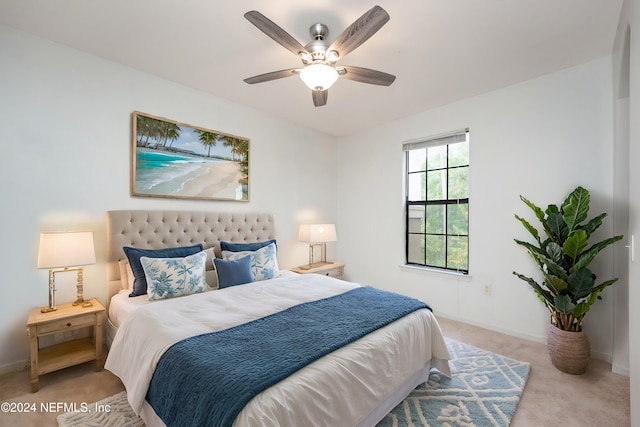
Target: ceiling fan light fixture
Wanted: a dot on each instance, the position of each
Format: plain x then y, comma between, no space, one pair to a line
319,76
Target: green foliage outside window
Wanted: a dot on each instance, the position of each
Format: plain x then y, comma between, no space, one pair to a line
438,206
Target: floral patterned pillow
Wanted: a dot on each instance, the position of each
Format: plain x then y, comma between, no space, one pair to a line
264,263
174,277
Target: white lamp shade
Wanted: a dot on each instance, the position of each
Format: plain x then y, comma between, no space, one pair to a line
66,249
317,233
319,76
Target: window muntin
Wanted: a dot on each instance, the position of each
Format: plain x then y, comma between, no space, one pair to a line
437,202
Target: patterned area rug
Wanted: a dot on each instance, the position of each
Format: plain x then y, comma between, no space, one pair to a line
483,391
116,413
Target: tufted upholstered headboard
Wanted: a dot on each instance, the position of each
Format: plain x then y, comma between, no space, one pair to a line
162,229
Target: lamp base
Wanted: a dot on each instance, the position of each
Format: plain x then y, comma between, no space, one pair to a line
48,309
314,265
81,301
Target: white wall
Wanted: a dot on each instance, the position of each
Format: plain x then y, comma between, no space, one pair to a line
539,139
65,152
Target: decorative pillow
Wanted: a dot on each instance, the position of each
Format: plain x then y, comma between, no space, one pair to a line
134,255
174,277
264,262
243,247
233,272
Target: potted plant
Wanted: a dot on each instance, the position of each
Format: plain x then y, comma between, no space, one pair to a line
568,288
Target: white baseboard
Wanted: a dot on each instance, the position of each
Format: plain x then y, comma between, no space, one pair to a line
14,367
621,370
538,339
543,340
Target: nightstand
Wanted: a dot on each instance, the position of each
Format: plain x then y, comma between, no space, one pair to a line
65,319
332,269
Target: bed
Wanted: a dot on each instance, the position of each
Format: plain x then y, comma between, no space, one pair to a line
356,383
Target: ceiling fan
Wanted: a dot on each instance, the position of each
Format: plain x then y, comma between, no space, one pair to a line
319,59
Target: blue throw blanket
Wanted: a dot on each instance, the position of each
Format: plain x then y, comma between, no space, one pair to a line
207,380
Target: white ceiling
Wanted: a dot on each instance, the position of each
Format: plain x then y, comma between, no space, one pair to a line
440,50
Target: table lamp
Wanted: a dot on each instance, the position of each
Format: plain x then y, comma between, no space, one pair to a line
317,235
65,251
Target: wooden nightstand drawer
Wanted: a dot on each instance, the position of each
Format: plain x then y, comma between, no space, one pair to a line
334,272
63,325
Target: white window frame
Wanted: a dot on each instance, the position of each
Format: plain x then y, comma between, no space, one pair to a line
434,141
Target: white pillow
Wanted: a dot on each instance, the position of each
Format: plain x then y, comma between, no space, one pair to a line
174,277
264,263
126,275
210,256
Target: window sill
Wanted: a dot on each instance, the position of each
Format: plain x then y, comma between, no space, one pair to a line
434,271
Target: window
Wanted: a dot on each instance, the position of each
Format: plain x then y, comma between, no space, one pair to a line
437,202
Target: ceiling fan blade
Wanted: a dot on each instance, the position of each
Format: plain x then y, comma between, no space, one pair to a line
274,75
360,31
271,29
365,75
320,97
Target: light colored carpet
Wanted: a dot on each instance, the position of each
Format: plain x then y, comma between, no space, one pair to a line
483,390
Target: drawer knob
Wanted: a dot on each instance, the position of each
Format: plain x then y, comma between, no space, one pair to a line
69,324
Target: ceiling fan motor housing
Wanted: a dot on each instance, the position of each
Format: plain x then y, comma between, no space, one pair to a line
318,46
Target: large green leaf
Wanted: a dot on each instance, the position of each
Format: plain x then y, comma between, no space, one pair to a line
593,224
581,309
551,209
543,293
555,284
551,266
575,244
530,247
554,251
557,225
539,212
580,283
589,254
531,229
576,207
563,304
603,285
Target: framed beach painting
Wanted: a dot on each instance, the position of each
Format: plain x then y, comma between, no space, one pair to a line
175,160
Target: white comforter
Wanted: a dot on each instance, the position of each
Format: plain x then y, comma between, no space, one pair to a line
343,385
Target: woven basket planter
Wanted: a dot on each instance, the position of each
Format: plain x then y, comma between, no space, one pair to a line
569,351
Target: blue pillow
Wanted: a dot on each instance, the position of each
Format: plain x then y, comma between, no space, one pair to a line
134,255
233,272
241,247
264,263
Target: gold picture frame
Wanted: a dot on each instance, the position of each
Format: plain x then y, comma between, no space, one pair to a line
175,160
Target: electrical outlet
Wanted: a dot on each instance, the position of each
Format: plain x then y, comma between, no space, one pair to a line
486,289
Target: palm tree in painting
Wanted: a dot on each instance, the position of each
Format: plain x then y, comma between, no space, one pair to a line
227,141
239,151
143,130
242,148
170,131
239,147
208,139
161,132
